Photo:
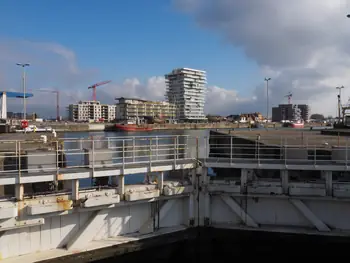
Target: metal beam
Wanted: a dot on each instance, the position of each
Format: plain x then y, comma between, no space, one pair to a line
237,209
309,215
88,231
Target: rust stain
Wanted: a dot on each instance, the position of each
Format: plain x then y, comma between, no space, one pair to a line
20,207
60,177
64,204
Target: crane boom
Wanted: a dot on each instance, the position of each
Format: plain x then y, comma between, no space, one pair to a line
289,96
93,87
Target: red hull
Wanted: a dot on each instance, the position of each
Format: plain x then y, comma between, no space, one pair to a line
297,125
131,127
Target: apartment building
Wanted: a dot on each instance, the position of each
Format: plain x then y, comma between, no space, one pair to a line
91,111
187,89
287,112
137,110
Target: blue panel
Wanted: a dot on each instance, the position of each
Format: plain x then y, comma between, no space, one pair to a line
11,94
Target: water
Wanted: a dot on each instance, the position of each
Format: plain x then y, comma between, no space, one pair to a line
75,157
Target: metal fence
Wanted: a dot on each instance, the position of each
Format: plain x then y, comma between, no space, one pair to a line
94,152
292,149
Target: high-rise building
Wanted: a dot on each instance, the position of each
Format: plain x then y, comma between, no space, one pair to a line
287,112
186,88
91,110
138,110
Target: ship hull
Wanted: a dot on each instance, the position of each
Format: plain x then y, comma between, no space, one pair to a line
294,125
131,128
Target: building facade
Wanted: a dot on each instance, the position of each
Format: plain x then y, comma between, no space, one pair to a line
187,89
287,111
137,110
91,111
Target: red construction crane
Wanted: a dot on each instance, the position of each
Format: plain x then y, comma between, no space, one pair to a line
57,101
289,96
93,87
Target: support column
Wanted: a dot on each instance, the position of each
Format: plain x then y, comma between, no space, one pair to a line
192,198
121,186
19,191
285,181
75,189
328,176
160,182
206,197
244,181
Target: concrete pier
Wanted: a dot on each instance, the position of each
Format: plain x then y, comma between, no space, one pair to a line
263,191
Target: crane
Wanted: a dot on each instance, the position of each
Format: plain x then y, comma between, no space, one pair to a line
93,87
57,100
289,96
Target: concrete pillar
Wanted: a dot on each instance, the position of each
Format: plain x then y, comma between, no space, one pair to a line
19,192
75,189
244,180
121,186
160,182
328,176
285,181
206,197
192,204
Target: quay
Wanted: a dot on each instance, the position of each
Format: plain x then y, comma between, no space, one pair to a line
282,181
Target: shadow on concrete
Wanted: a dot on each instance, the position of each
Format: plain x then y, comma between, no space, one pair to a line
219,245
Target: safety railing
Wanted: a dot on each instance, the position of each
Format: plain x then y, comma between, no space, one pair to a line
102,152
288,149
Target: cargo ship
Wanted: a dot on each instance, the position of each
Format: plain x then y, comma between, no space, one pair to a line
131,128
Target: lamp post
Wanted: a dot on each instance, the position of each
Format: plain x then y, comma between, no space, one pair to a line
339,100
24,65
267,98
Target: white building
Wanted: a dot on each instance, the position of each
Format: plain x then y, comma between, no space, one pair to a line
137,110
91,111
186,88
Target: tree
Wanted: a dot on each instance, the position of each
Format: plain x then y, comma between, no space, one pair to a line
317,116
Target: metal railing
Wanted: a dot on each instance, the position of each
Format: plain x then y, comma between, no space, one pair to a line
94,152
288,149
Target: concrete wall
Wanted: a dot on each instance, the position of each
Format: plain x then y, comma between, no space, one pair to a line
59,230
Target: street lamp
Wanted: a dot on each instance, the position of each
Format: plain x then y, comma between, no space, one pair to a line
339,100
267,98
24,65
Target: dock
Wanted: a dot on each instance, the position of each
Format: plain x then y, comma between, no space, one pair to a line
266,181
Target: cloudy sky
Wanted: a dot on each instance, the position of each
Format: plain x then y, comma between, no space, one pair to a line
303,45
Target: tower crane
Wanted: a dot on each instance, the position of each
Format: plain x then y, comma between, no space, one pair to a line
289,96
93,87
57,101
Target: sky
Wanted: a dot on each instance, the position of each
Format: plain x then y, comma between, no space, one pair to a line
303,45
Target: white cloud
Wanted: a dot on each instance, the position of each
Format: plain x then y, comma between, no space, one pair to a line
302,44
55,67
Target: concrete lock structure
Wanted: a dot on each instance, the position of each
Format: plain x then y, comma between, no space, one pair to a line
256,187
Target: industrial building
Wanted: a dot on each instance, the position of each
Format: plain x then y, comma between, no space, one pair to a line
138,110
287,111
186,88
91,111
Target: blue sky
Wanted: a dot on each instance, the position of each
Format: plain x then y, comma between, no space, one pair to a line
135,38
